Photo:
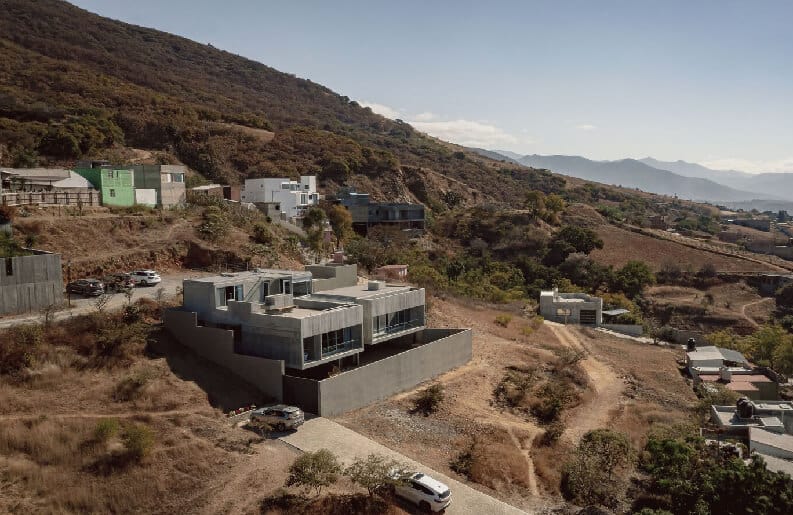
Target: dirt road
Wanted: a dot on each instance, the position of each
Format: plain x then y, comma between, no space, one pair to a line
749,319
321,433
606,385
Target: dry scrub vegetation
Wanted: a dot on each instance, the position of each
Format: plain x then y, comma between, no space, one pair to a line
103,413
513,416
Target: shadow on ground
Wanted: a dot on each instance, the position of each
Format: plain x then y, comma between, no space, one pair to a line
224,390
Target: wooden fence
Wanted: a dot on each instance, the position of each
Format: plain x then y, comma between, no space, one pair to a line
68,198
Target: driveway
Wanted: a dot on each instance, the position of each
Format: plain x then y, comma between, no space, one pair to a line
82,305
318,433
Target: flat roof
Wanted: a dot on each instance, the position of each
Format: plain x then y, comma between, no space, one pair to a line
254,274
738,378
359,291
779,441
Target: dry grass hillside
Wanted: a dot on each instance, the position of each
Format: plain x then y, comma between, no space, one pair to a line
494,429
622,245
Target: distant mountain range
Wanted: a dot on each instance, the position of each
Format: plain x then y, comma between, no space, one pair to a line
686,180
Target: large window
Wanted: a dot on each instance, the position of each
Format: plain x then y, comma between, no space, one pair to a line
391,322
337,341
227,293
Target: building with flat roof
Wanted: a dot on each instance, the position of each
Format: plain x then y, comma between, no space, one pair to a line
267,325
571,308
367,214
290,198
774,416
716,365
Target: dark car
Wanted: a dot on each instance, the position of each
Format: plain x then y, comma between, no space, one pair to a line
89,287
118,282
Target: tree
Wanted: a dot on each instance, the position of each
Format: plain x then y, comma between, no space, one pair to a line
632,278
374,472
784,297
554,203
314,217
367,253
314,470
341,222
535,202
572,239
594,475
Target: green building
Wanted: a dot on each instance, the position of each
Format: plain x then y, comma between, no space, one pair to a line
117,187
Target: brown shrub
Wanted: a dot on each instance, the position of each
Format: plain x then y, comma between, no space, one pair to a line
547,465
497,463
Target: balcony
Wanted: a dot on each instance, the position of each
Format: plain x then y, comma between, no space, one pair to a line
338,348
397,328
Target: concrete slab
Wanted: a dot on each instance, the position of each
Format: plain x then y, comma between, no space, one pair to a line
319,433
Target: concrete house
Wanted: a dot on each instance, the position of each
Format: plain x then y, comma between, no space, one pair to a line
571,308
160,185
30,281
710,365
327,343
290,198
366,214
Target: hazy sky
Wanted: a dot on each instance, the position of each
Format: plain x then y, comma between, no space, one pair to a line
706,81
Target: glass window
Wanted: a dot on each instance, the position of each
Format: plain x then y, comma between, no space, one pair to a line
110,174
112,192
178,177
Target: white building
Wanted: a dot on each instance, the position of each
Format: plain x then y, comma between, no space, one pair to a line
292,198
571,308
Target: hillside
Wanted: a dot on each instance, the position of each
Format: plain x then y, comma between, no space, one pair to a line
74,84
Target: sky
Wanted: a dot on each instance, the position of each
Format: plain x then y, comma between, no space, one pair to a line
708,81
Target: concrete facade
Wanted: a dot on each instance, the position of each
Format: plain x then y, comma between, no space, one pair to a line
29,283
291,198
445,349
571,308
276,316
366,214
217,345
168,181
774,416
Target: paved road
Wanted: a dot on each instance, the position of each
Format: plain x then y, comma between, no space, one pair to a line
82,305
318,433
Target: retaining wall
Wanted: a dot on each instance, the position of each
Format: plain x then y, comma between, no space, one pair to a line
447,349
34,282
629,329
217,345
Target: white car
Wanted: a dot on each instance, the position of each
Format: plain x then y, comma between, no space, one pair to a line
145,277
427,493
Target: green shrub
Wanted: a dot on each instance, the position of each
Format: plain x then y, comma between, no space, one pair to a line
429,399
105,429
503,320
138,441
314,470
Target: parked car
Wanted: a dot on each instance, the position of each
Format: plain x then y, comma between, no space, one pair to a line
280,417
90,287
427,493
118,282
145,277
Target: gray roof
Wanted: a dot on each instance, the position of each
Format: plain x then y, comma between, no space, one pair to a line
615,312
732,355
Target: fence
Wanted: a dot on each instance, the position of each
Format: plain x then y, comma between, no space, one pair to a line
68,198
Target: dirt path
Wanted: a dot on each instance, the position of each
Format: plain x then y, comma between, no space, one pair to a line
241,488
123,414
525,450
749,319
606,386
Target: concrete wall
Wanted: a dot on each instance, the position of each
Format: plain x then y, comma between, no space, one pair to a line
329,277
217,345
375,381
35,282
630,329
146,197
